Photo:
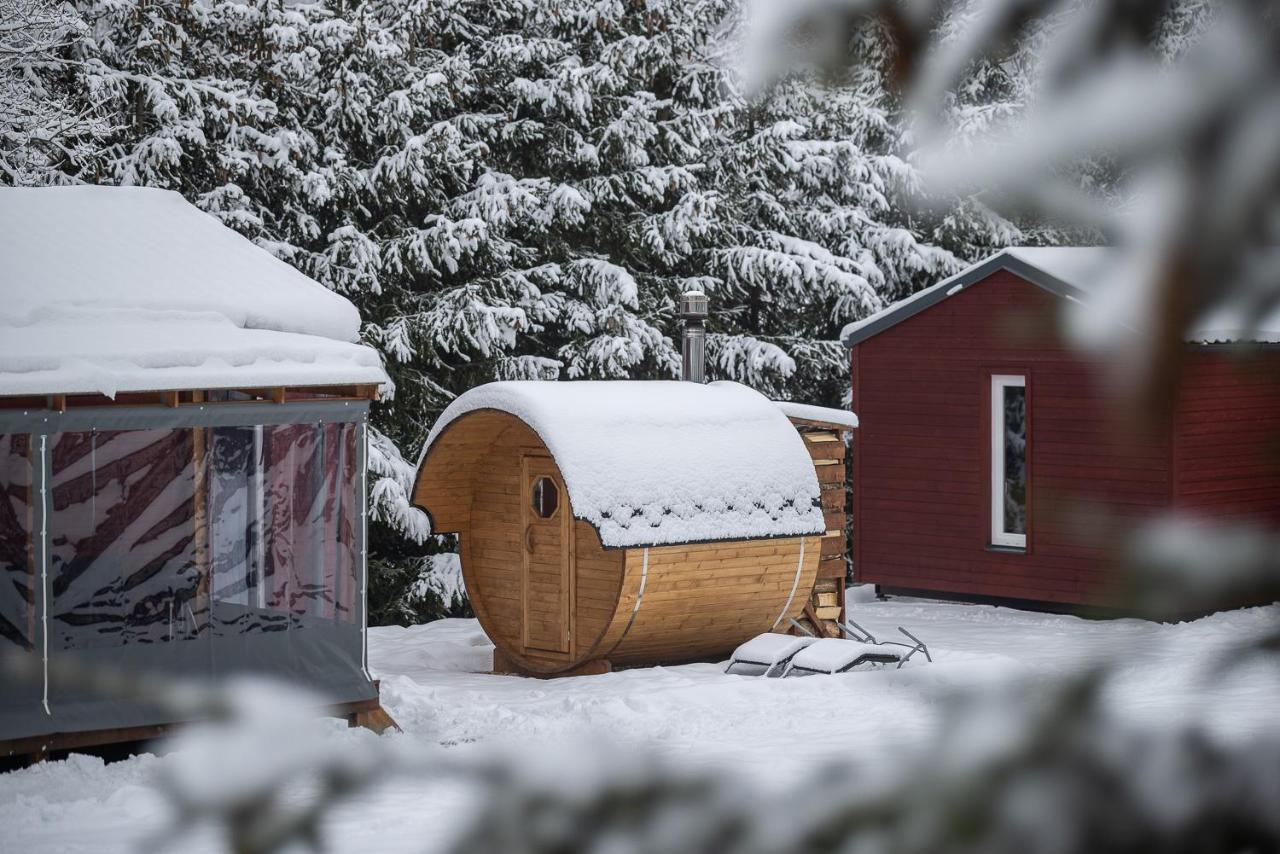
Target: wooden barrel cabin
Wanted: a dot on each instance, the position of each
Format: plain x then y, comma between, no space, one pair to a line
621,523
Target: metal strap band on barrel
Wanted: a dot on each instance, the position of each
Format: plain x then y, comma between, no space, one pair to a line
644,578
794,585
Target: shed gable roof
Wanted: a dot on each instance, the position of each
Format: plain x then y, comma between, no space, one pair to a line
652,463
1034,264
111,289
1071,272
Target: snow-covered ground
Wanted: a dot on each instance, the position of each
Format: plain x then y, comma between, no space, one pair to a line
772,731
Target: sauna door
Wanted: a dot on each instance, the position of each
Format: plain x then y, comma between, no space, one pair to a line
547,569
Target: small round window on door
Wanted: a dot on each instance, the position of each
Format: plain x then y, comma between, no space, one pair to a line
546,497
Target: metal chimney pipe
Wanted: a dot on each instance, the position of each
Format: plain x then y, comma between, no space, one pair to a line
693,345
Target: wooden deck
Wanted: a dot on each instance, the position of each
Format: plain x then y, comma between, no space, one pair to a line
359,713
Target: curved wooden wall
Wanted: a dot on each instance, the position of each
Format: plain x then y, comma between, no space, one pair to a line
703,600
698,600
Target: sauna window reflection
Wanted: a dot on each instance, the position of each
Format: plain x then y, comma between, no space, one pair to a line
546,497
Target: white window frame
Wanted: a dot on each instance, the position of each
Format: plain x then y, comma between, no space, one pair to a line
999,536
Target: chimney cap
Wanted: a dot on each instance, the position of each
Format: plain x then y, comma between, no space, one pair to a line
694,304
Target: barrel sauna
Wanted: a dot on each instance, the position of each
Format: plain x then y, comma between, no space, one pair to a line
623,523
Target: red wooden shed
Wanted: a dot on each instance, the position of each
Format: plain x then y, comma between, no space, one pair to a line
990,461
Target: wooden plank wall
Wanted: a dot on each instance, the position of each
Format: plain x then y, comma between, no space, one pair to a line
547,596
471,491
1227,437
470,483
703,600
597,590
921,469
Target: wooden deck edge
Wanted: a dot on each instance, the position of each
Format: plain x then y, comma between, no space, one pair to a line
364,713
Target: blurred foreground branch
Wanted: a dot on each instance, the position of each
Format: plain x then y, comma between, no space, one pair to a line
1180,98
1022,767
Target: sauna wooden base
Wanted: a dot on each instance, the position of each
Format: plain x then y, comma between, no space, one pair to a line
504,665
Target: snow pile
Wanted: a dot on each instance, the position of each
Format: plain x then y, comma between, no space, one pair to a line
442,575
664,462
109,289
419,653
859,594
806,412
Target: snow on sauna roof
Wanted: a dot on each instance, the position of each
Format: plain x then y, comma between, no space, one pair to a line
114,289
1073,272
662,462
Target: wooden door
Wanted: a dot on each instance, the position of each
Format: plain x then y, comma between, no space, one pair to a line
546,555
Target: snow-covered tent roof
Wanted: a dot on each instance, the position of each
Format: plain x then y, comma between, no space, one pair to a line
1072,272
116,289
665,462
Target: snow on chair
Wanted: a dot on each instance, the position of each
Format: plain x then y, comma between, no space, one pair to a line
838,655
767,654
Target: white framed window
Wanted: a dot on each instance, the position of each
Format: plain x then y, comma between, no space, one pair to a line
1009,461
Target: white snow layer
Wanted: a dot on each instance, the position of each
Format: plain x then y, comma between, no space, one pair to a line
807,412
767,732
111,289
829,655
770,648
662,462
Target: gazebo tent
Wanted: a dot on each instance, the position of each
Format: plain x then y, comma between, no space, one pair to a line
182,463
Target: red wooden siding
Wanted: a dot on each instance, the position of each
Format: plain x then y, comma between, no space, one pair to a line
1227,437
922,467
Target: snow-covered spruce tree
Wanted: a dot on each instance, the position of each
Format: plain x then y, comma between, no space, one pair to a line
819,219
812,234
268,115
43,133
995,93
465,174
516,190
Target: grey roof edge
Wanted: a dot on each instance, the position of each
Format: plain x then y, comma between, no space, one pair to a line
859,331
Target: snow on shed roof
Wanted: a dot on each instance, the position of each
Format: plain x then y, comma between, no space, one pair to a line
111,289
822,414
663,462
1072,272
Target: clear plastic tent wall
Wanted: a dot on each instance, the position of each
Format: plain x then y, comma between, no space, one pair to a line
203,541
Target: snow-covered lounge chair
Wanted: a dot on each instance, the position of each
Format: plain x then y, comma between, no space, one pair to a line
837,655
767,654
